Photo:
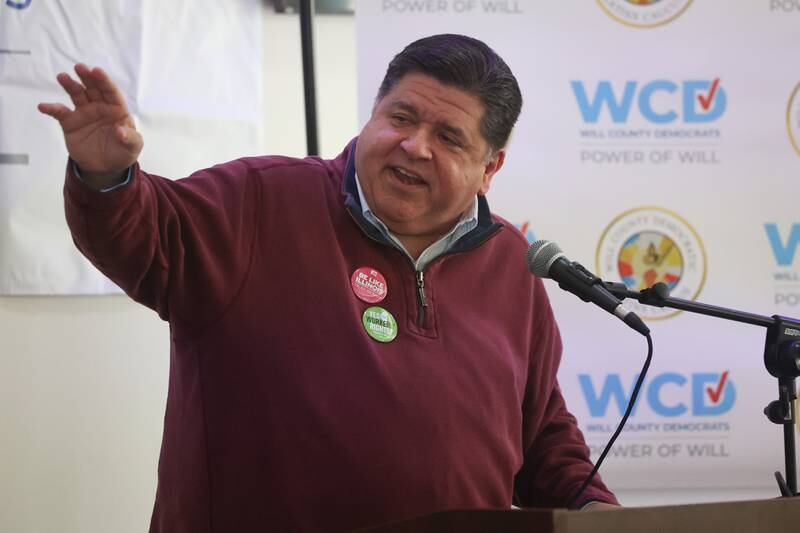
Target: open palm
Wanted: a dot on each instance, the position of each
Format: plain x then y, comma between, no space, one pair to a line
99,133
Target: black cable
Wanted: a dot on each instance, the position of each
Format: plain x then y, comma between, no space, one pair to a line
613,438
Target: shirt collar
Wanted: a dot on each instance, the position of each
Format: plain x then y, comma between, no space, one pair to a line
467,222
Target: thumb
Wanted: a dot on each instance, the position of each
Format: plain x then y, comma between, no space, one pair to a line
129,137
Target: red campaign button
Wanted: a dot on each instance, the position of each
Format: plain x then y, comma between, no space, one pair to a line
369,285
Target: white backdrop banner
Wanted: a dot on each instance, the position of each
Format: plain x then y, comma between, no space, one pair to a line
166,56
658,142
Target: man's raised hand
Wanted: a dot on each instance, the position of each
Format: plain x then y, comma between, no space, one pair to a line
99,133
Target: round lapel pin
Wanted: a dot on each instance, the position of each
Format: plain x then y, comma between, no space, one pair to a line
379,324
369,285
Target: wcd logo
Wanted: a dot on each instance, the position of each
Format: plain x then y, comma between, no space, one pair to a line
669,394
698,101
783,249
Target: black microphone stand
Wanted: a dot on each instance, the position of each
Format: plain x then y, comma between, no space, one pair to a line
781,357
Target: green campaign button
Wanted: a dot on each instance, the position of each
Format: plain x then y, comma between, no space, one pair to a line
380,324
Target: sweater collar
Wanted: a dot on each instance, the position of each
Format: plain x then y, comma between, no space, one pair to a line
484,230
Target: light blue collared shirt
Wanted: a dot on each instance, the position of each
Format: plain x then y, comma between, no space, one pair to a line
77,172
467,222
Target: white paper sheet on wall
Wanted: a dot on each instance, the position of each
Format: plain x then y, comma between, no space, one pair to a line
191,72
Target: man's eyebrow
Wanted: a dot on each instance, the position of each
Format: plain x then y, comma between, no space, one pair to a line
402,105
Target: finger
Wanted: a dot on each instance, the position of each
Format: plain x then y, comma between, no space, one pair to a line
109,90
85,74
60,112
75,90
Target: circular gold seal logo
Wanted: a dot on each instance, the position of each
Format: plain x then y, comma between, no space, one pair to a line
793,118
648,245
644,13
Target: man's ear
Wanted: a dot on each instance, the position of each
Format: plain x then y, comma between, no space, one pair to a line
492,166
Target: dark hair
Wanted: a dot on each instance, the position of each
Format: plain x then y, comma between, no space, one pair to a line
467,64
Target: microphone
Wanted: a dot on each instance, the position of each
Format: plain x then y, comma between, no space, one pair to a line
546,260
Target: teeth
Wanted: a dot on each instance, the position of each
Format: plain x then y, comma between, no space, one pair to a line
406,173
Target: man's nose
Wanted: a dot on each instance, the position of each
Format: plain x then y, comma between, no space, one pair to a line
418,144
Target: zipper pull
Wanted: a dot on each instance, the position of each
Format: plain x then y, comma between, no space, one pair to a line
421,288
423,303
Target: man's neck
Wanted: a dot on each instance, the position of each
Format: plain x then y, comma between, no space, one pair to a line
416,244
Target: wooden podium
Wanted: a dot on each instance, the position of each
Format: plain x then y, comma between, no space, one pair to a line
766,516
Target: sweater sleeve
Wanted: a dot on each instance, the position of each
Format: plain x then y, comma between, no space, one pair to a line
556,459
182,248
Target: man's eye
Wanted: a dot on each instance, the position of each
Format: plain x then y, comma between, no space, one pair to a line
448,139
399,119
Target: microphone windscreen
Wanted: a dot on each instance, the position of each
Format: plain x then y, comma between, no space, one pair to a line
541,255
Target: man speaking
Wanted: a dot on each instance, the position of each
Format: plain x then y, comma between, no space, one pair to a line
353,341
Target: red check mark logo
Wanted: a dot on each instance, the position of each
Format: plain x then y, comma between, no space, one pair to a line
716,393
705,101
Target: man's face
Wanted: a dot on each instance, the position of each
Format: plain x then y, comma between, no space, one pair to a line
421,158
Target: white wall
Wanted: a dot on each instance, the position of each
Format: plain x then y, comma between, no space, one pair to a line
334,42
83,380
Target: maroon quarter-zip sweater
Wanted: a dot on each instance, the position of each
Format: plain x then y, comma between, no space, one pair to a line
283,414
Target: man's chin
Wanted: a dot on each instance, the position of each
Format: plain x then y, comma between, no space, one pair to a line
402,226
